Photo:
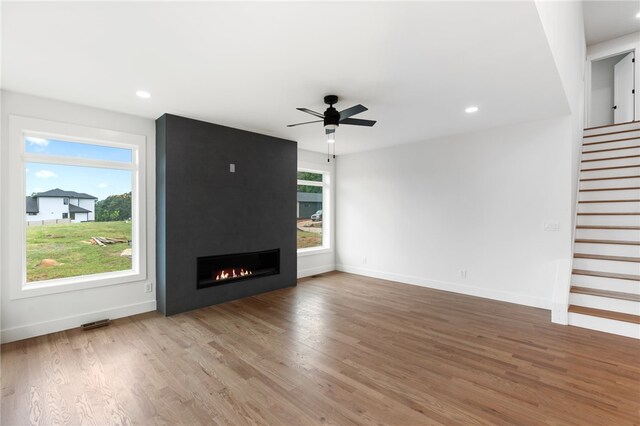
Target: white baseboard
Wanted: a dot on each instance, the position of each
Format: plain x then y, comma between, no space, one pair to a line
66,323
520,299
315,270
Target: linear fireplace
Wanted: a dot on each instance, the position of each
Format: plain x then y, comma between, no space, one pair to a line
219,191
229,268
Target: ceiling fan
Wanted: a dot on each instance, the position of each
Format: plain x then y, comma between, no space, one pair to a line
332,118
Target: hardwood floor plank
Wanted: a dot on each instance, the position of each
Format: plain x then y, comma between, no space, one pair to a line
337,349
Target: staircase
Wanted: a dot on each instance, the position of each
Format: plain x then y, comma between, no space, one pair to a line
605,281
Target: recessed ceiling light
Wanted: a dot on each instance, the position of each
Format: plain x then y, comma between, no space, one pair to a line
471,109
638,15
142,94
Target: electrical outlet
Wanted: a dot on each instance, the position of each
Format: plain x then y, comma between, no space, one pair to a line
463,274
148,287
551,226
364,260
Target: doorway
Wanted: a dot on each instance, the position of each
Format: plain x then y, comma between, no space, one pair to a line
612,90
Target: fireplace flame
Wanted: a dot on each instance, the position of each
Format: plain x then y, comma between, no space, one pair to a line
226,274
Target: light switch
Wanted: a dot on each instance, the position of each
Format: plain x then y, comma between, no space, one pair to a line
232,168
551,226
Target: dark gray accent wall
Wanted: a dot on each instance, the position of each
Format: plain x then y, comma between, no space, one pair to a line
205,210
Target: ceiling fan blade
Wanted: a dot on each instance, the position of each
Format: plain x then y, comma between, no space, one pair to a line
358,122
329,131
306,122
352,111
308,111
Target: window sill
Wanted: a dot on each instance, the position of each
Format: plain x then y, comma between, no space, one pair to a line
313,251
62,285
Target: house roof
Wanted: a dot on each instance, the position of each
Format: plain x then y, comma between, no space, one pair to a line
32,205
62,193
75,209
309,197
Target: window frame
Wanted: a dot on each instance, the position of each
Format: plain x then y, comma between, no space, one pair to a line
327,217
21,127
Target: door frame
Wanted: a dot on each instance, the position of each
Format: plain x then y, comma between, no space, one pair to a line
604,54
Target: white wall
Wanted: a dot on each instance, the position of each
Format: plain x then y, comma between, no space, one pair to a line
90,205
601,111
421,213
563,23
322,261
606,49
32,316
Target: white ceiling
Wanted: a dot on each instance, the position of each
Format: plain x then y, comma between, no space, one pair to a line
605,20
416,66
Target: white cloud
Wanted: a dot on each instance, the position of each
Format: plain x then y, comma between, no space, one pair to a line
45,174
37,141
102,185
27,170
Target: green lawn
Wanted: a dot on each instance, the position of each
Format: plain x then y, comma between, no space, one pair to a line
308,239
69,245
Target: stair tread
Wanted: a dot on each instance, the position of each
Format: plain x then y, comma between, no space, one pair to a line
606,274
610,214
631,166
620,242
630,200
606,257
610,178
605,293
622,157
618,316
626,123
633,228
626,188
610,141
611,149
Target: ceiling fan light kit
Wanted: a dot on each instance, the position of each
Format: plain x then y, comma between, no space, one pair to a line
332,118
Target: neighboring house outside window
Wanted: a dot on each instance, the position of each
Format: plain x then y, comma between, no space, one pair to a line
61,204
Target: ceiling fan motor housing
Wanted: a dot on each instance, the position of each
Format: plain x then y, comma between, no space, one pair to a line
331,115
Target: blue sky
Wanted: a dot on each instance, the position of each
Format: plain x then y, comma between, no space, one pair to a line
100,183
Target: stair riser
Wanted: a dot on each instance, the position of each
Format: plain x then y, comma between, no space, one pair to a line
609,129
609,207
608,234
629,194
611,284
612,183
634,161
606,303
607,249
625,135
606,325
609,220
630,171
617,267
618,144
587,155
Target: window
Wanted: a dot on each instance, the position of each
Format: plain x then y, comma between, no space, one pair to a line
84,206
312,217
